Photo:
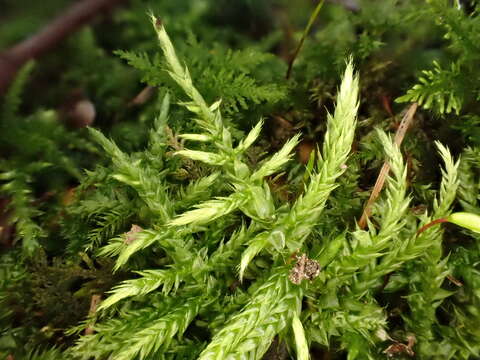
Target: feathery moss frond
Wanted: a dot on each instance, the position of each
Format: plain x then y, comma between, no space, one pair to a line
370,245
295,227
275,163
165,238
211,210
435,89
249,332
142,179
426,293
149,281
13,96
23,213
160,333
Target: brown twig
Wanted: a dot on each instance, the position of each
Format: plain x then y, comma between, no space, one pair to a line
454,281
399,135
69,21
95,300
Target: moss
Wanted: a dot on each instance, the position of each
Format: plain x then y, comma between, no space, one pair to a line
185,207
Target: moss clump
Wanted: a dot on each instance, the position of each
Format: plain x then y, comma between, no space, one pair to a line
184,207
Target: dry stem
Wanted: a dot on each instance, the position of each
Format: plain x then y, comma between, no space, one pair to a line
73,18
399,135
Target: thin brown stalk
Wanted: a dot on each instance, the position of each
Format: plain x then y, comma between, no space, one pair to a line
72,19
430,224
399,136
95,300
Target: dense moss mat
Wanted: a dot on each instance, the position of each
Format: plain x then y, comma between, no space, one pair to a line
167,193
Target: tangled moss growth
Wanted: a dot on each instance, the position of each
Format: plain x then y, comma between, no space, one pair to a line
212,204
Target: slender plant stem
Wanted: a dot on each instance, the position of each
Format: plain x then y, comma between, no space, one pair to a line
399,135
95,300
430,224
312,19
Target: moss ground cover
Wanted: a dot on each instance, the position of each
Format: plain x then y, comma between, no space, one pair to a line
170,189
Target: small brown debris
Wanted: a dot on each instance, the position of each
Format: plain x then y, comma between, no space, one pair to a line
68,196
304,149
143,96
419,209
130,236
386,100
399,348
305,268
454,281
